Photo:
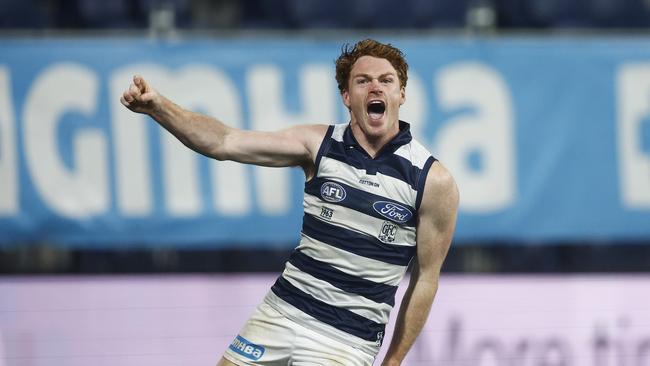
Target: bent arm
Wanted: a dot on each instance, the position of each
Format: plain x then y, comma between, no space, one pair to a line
435,228
295,146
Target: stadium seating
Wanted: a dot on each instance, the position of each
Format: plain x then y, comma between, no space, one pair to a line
22,14
318,14
112,14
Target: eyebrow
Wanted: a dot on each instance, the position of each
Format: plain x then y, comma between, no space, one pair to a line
391,73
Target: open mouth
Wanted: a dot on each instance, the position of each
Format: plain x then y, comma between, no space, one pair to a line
376,109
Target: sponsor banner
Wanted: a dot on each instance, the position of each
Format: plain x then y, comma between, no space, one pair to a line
586,320
549,139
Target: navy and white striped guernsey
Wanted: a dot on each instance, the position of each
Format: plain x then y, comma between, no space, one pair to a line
357,239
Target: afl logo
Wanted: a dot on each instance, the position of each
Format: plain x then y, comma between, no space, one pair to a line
332,192
393,211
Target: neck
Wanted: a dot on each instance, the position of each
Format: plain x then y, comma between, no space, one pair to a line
372,144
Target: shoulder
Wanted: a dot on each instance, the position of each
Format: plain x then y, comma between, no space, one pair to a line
312,130
439,178
311,135
440,190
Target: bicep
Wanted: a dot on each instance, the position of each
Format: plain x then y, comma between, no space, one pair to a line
295,146
437,220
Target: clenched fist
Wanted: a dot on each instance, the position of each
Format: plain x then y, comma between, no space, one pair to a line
140,97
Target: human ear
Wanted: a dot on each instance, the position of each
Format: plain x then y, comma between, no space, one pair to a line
345,95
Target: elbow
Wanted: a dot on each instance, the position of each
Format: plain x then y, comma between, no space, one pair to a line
210,146
196,143
208,141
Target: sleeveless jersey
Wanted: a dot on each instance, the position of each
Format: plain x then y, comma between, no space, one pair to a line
358,237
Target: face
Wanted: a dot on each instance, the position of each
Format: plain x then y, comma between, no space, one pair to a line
373,97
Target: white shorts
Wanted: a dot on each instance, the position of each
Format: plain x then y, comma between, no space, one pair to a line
270,339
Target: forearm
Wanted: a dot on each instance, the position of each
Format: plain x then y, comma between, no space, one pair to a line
435,228
412,316
199,132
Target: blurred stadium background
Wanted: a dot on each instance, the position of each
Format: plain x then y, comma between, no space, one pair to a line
118,246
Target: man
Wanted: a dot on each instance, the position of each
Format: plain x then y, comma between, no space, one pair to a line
374,199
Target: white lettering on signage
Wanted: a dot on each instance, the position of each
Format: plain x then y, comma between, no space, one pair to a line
487,130
81,190
205,89
8,161
633,92
208,90
414,110
459,348
619,343
131,148
268,112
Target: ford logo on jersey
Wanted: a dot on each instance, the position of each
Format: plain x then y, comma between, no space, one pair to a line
393,211
332,192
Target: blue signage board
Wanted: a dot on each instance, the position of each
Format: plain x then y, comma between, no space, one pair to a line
548,139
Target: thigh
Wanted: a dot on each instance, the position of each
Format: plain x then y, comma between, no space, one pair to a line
267,339
314,349
225,362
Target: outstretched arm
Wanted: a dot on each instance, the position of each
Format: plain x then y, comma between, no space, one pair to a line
295,146
435,228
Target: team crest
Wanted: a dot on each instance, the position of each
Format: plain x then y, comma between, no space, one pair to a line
387,232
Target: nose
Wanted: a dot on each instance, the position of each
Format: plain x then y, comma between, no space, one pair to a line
375,86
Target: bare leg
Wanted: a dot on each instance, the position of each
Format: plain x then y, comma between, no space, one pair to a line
225,362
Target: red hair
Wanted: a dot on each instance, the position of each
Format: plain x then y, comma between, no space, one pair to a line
369,47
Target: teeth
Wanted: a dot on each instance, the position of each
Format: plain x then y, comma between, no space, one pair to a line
376,109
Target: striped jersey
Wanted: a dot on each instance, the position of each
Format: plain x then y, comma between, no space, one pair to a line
358,237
